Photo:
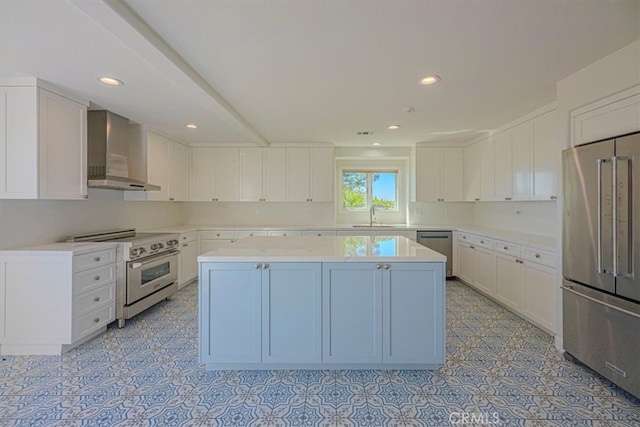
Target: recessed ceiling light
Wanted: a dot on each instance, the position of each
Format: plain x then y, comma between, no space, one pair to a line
429,80
393,127
110,81
376,143
192,126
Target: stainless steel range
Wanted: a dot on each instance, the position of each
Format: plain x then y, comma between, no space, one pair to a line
146,268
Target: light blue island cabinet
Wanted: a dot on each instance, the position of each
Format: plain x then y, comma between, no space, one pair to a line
314,303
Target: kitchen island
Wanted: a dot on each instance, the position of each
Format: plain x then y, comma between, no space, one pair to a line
356,302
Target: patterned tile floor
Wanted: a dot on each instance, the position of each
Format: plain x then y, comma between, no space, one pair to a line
500,370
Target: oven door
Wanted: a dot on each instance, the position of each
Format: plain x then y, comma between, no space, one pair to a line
148,275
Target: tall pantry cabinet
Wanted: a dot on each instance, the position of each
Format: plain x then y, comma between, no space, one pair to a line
43,141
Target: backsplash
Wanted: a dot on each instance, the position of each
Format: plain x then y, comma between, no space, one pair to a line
34,222
528,217
441,213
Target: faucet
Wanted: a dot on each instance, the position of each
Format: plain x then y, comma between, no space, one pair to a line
372,216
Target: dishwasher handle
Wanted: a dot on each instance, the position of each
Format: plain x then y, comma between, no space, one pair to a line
434,236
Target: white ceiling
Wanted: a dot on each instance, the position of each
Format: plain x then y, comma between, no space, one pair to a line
286,71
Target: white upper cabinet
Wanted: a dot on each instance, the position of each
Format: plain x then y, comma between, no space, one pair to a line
502,188
310,174
521,161
544,157
486,169
168,167
203,176
439,174
227,170
263,174
43,142
472,172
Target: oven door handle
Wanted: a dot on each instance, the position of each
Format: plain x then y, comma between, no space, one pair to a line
137,264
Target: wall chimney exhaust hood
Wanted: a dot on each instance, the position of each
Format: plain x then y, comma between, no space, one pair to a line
117,153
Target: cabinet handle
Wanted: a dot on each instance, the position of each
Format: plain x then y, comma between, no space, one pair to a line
96,299
218,235
185,245
378,266
477,199
85,196
482,241
472,247
97,259
464,237
265,266
520,261
257,266
537,255
171,199
96,320
386,266
96,278
506,248
507,198
184,237
554,197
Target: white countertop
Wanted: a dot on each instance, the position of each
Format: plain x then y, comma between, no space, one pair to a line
323,249
71,247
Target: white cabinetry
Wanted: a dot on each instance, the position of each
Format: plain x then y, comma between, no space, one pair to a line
227,175
544,157
263,174
472,172
167,166
43,142
439,174
310,174
215,174
210,240
188,265
520,277
55,297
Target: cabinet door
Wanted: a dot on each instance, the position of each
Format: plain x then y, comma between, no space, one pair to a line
18,143
502,173
321,179
291,313
545,157
484,270
63,147
465,262
521,161
451,183
298,175
203,176
227,175
158,166
413,313
188,267
251,174
471,160
486,169
178,172
428,174
275,174
540,295
509,281
230,300
351,307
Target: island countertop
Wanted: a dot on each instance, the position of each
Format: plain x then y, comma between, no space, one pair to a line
323,249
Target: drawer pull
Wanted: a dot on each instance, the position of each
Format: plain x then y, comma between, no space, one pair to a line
96,320
506,248
537,255
472,247
96,299
378,266
97,259
96,278
482,241
185,245
184,237
477,199
387,266
257,266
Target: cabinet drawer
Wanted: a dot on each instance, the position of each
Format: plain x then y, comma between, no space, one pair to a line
217,234
92,321
93,278
484,242
93,300
319,233
94,259
284,233
189,237
506,247
541,257
465,237
249,233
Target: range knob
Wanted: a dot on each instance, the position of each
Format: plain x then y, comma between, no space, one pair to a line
142,251
134,252
160,245
155,247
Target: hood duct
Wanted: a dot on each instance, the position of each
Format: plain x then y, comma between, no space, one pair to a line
117,154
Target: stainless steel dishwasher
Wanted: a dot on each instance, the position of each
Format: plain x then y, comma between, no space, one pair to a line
439,241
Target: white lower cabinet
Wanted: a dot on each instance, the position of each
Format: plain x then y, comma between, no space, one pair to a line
211,240
55,297
521,278
257,315
188,265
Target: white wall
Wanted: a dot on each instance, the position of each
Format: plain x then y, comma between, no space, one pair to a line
259,214
32,222
538,217
438,213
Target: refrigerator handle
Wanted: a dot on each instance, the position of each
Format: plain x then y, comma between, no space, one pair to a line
614,194
599,214
622,203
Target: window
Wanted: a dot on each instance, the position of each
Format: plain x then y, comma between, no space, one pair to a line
363,189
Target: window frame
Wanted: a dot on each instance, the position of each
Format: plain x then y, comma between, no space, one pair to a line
369,195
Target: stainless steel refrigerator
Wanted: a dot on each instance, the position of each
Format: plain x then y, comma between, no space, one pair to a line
601,258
